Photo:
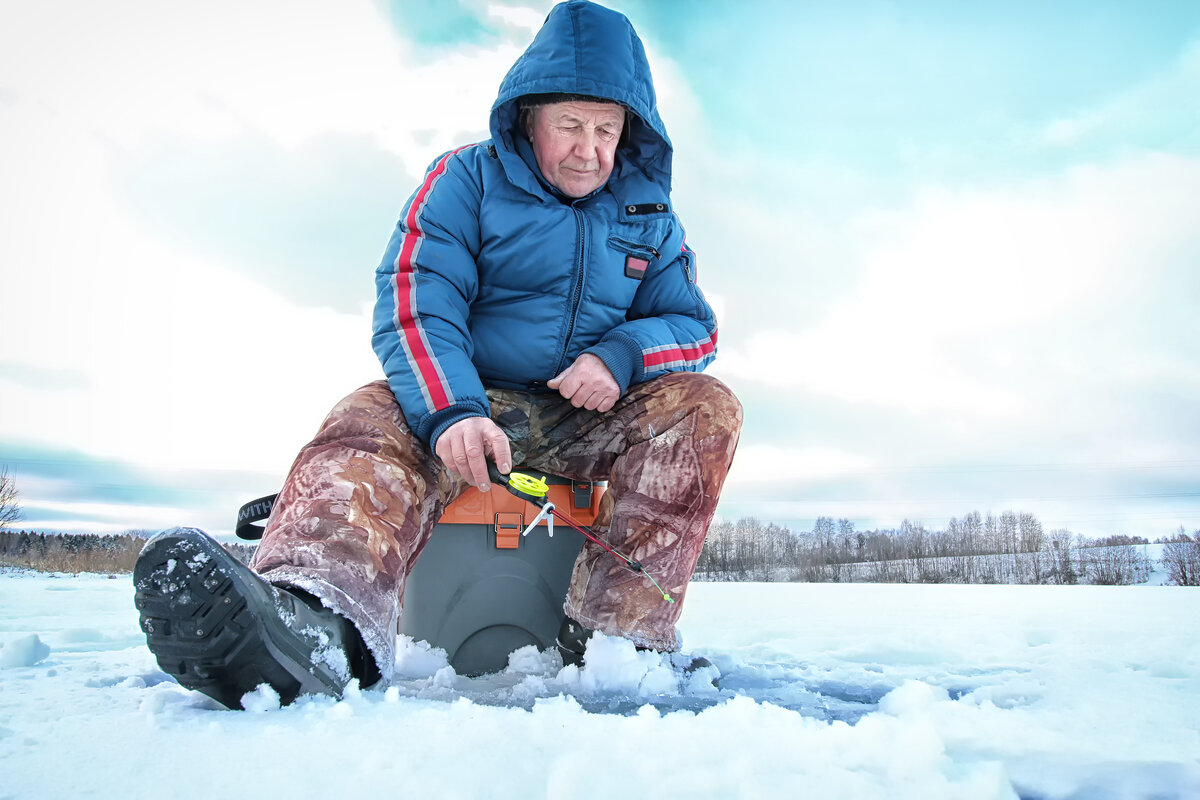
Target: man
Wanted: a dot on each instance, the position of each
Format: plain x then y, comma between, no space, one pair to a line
537,304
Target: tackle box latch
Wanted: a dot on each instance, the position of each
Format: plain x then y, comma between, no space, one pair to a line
581,492
509,525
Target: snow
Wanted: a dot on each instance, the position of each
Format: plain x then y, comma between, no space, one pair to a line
828,690
24,651
332,658
263,698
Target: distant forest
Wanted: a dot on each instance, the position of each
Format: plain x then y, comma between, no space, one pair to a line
1009,548
1012,547
81,552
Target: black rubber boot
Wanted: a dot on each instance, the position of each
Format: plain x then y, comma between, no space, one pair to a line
572,641
220,629
573,638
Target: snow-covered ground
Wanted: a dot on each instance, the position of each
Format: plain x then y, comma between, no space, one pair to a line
830,691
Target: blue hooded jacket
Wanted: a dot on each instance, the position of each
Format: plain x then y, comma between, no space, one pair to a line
494,279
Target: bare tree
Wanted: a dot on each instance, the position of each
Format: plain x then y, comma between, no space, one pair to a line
1062,566
1117,565
10,499
1033,537
1181,558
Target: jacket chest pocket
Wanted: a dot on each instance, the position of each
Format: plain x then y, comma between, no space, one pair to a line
635,257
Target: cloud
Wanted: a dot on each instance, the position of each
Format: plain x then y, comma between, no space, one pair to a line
129,71
213,72
524,22
966,295
179,354
191,196
1155,113
974,331
311,221
64,488
228,131
276,139
768,464
25,374
98,517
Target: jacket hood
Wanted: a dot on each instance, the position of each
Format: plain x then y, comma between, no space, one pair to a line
584,48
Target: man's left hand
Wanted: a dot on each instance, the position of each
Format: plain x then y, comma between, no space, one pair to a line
587,384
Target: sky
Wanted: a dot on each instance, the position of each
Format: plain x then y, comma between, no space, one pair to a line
952,247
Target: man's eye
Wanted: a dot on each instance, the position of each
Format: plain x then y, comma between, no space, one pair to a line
606,134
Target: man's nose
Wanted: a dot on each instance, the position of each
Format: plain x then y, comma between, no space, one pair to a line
585,145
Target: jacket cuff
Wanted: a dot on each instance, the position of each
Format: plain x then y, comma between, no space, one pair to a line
623,357
437,423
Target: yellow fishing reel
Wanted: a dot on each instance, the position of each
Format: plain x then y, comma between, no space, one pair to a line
528,485
521,484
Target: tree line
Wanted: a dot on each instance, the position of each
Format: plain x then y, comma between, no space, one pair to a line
81,552
1012,547
1009,548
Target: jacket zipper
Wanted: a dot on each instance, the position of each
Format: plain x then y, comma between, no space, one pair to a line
633,248
577,291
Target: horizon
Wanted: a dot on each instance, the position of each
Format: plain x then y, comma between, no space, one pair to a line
798,528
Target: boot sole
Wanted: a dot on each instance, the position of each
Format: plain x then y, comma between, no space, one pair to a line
213,624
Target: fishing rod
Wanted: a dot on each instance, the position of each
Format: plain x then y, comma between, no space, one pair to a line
534,491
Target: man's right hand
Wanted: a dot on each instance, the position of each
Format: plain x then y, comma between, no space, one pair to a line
465,446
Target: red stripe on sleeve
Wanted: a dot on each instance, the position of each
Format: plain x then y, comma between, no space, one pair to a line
408,322
670,355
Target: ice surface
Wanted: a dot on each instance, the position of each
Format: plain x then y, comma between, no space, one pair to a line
860,691
23,651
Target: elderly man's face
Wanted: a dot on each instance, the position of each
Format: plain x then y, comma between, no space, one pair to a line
575,143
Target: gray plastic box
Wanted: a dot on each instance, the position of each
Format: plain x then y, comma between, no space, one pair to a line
479,602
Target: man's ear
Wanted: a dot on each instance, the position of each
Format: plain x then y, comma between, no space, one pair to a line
525,120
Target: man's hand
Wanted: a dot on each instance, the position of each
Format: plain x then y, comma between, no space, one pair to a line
465,445
587,384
